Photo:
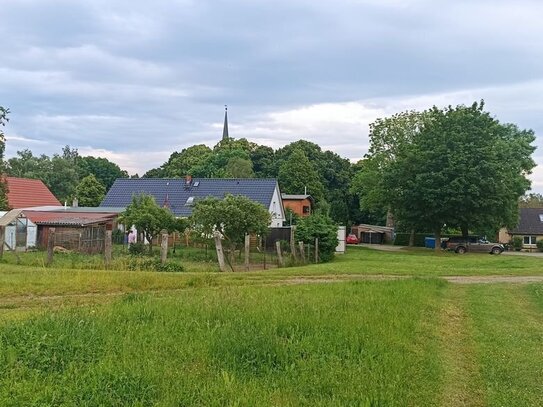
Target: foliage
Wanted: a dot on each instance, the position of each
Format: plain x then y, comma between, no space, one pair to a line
233,217
539,244
138,263
532,200
4,205
90,192
448,168
321,227
117,236
147,217
298,176
105,171
136,248
517,242
238,167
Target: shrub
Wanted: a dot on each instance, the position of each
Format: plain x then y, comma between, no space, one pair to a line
517,242
539,245
137,263
136,248
322,227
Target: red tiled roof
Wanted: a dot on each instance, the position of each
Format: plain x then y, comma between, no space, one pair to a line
25,193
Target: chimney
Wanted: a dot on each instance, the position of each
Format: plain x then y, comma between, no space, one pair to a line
188,180
75,203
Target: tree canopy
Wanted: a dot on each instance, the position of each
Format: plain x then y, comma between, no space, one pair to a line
148,218
458,167
90,192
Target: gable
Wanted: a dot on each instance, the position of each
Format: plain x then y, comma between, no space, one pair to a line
180,195
26,193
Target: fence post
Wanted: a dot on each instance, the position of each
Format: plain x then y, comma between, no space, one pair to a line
220,253
279,255
2,237
302,251
316,250
50,245
163,246
107,247
292,243
247,250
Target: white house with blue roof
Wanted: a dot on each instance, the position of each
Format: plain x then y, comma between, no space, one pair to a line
180,194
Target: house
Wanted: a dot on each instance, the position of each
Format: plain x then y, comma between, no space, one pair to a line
76,228
301,205
26,192
373,233
529,228
180,194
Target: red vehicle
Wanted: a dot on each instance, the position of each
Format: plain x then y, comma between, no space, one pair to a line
352,239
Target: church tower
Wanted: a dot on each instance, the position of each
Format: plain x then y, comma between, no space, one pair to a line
225,135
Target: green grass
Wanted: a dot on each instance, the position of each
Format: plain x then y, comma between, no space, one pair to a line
235,346
94,337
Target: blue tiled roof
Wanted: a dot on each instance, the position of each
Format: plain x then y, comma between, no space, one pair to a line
176,192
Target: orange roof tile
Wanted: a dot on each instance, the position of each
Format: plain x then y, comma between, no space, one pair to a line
25,193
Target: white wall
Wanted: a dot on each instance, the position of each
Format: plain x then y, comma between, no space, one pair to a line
276,209
341,232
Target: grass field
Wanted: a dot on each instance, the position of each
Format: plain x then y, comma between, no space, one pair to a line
88,337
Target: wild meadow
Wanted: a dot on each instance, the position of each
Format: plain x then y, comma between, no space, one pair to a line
368,329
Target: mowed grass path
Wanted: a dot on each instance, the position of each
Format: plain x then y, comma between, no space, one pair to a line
133,338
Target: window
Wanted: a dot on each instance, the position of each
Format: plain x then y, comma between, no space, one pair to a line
196,183
190,201
529,240
541,217
306,209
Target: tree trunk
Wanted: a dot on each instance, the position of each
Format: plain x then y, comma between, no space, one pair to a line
390,219
438,240
465,231
412,238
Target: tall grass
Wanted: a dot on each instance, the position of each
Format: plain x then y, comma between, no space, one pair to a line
347,344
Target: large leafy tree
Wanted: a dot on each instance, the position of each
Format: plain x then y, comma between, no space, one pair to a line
233,217
463,169
90,191
104,170
298,175
148,218
4,205
532,200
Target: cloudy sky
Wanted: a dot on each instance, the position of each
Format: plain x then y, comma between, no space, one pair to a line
134,80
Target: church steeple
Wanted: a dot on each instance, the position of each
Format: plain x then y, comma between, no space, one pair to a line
225,135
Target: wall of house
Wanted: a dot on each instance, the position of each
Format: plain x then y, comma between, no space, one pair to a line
276,210
504,236
297,206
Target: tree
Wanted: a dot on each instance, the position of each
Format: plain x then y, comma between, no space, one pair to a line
297,175
4,204
104,170
238,167
185,162
90,192
233,217
463,169
147,217
532,200
322,227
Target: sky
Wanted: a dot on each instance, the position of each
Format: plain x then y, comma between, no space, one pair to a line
133,81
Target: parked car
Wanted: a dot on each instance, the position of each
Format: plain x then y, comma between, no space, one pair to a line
473,244
352,239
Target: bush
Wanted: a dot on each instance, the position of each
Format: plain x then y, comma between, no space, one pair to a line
137,263
322,227
136,248
517,242
539,245
117,236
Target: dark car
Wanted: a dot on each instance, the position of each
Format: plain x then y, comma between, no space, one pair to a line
473,244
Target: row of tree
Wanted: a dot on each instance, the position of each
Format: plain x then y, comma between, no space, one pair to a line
456,166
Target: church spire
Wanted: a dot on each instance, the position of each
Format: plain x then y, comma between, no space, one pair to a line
225,135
